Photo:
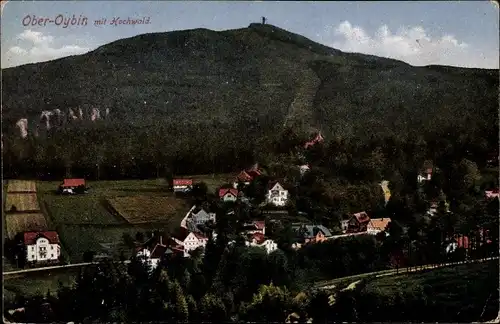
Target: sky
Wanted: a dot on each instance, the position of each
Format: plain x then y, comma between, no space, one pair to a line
457,33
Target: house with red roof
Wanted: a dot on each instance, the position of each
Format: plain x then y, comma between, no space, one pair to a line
246,176
42,247
190,241
228,194
358,222
255,227
259,240
72,186
377,225
153,250
182,185
242,177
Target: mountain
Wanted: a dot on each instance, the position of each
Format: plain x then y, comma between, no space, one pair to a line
261,76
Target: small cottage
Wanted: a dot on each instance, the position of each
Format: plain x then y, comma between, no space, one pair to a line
182,185
312,233
228,194
72,186
377,225
242,177
259,240
358,222
425,176
153,250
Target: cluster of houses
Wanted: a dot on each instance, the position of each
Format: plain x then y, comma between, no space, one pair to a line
197,225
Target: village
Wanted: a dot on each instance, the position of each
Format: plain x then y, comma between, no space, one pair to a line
42,247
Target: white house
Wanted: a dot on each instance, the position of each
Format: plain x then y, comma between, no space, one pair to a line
277,195
228,194
192,242
42,247
425,176
344,225
201,217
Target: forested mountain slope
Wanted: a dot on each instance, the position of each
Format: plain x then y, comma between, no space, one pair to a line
251,77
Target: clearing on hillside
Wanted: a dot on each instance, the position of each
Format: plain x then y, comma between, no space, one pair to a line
19,186
21,202
146,209
19,222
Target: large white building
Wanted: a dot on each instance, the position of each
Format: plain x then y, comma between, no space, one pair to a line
277,195
42,247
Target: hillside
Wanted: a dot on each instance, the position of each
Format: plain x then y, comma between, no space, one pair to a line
260,75
463,293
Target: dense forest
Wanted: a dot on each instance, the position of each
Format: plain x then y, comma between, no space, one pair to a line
222,285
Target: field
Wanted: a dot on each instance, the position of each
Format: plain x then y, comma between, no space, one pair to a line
106,240
18,186
86,223
461,293
145,209
23,222
21,202
86,210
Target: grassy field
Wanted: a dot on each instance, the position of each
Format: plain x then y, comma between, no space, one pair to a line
85,223
21,202
21,222
459,293
145,209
